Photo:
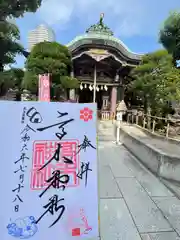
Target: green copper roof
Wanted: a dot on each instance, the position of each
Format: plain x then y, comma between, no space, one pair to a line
100,28
102,35
107,40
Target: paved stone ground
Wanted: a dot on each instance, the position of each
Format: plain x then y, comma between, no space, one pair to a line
134,204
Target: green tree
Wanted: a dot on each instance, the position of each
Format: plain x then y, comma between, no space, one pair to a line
14,8
9,37
52,58
156,82
11,79
9,33
17,75
169,35
30,82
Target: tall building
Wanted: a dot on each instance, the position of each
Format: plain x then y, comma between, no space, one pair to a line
40,34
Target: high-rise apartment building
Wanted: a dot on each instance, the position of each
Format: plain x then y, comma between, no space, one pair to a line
40,34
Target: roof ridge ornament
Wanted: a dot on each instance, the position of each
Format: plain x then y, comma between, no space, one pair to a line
100,28
101,19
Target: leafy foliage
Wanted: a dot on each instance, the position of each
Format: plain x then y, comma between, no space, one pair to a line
52,58
9,33
30,82
14,8
9,36
156,82
169,35
17,75
11,79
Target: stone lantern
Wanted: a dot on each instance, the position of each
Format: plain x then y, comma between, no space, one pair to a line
120,110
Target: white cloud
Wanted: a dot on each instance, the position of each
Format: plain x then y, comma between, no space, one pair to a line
52,11
126,18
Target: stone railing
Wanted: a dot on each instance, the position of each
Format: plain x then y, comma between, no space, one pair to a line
167,127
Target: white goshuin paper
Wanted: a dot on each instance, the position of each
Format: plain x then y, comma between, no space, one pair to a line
81,203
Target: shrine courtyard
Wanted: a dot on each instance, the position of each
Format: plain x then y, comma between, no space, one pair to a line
134,202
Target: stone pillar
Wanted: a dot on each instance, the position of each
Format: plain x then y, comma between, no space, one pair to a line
113,99
72,93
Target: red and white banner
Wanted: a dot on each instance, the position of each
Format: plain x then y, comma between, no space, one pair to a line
44,88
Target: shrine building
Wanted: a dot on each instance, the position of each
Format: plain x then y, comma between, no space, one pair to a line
101,62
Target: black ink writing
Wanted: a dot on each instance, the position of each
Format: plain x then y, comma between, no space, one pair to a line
17,198
18,188
22,158
59,124
56,181
62,134
24,147
21,178
34,115
16,208
23,115
86,143
21,168
84,171
68,160
27,128
52,207
25,138
55,157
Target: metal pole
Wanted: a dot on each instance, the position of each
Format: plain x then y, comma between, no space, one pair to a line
94,93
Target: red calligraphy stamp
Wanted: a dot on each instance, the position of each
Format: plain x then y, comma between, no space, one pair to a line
43,151
78,223
76,232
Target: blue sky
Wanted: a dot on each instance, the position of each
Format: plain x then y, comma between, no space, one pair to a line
135,22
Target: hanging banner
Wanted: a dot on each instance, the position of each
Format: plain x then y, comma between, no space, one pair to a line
44,88
49,178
